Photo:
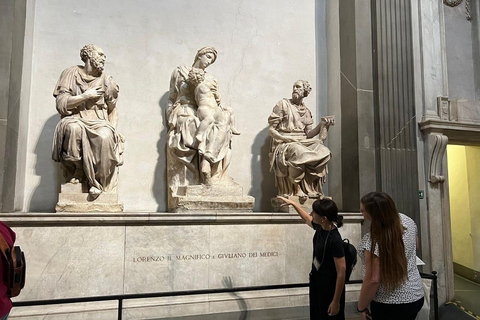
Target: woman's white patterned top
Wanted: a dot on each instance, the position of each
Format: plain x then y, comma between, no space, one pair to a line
411,290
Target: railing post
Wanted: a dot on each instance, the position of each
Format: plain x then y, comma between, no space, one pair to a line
120,307
435,295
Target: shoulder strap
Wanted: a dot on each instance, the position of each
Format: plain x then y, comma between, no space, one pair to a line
325,247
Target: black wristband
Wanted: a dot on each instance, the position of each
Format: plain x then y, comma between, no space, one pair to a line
362,310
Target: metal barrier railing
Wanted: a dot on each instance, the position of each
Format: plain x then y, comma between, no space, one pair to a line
122,297
433,277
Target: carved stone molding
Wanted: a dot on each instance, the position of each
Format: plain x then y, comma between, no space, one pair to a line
467,10
437,146
452,3
443,106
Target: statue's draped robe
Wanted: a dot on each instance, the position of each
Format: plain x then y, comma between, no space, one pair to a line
85,132
302,163
183,124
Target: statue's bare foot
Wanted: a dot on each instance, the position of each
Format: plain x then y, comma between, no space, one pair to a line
94,191
78,174
302,196
322,196
74,180
314,195
235,131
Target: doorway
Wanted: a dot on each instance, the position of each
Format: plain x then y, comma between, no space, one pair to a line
464,196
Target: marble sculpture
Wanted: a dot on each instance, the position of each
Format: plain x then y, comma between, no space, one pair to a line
86,141
200,127
200,130
297,157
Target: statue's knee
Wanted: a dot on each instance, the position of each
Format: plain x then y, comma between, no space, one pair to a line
104,133
73,129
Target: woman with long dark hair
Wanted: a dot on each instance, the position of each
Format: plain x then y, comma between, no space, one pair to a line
392,285
327,278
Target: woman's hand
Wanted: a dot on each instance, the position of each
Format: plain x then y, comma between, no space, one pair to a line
333,308
303,214
287,201
366,315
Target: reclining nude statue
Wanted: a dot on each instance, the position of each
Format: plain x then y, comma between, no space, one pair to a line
86,141
297,158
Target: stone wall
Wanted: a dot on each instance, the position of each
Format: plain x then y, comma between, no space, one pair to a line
71,256
262,50
460,60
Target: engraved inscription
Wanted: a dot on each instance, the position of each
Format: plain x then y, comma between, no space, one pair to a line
206,256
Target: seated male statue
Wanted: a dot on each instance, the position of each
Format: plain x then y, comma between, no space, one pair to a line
297,158
86,141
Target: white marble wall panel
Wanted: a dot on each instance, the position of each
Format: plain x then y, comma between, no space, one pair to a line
166,258
69,262
84,261
299,261
147,254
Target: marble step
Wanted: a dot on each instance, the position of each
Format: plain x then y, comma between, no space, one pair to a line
212,191
225,203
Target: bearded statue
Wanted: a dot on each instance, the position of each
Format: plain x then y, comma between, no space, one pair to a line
298,158
86,141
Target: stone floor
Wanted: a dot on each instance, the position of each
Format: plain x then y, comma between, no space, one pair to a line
467,294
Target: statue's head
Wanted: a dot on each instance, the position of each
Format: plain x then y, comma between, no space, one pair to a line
301,89
196,76
205,57
94,55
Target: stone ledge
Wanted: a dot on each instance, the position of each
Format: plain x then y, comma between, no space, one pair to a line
156,218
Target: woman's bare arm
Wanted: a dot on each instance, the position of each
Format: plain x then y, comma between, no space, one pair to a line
302,213
341,268
371,282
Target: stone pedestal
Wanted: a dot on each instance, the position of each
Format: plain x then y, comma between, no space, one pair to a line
306,204
75,198
224,197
